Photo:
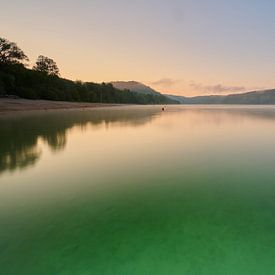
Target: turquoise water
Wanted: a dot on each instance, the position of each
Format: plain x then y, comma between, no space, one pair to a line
134,190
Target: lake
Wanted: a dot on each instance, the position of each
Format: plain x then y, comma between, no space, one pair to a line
135,190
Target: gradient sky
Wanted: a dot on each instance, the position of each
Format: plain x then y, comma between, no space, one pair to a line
186,47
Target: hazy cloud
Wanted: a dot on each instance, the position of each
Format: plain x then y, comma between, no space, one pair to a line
216,89
166,82
191,88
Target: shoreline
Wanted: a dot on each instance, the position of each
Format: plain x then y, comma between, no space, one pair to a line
8,105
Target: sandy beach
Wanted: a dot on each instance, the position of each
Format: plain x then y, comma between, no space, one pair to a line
8,105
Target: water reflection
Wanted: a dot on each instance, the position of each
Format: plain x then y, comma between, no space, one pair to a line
20,158
221,112
19,134
120,194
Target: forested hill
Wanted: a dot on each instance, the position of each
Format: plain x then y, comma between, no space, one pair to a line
43,82
134,86
20,81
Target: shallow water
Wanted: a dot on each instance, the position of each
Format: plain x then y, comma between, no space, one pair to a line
134,190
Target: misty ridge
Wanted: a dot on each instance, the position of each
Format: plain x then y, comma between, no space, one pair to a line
252,98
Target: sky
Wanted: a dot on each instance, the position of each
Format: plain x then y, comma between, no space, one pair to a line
184,47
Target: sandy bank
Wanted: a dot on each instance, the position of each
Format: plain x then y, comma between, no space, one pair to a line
8,105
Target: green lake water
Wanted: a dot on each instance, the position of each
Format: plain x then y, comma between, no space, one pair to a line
134,190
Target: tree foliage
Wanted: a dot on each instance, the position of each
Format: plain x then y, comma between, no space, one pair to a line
42,82
10,53
46,65
26,83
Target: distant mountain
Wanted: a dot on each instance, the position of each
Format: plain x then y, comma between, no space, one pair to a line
180,99
134,86
255,97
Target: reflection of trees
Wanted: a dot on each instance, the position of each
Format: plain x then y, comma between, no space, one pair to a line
19,159
17,149
56,141
19,134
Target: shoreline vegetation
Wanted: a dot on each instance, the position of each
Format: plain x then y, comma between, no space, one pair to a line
43,81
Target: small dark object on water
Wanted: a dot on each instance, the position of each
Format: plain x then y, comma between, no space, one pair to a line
163,109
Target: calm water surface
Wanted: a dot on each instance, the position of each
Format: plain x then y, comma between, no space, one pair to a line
134,190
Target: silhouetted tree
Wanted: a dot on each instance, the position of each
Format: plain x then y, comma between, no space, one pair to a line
46,65
10,53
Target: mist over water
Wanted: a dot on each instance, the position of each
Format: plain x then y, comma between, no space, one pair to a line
135,190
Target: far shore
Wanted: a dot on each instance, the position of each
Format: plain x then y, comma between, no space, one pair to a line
8,105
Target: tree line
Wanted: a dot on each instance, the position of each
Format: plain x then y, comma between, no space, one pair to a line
43,81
